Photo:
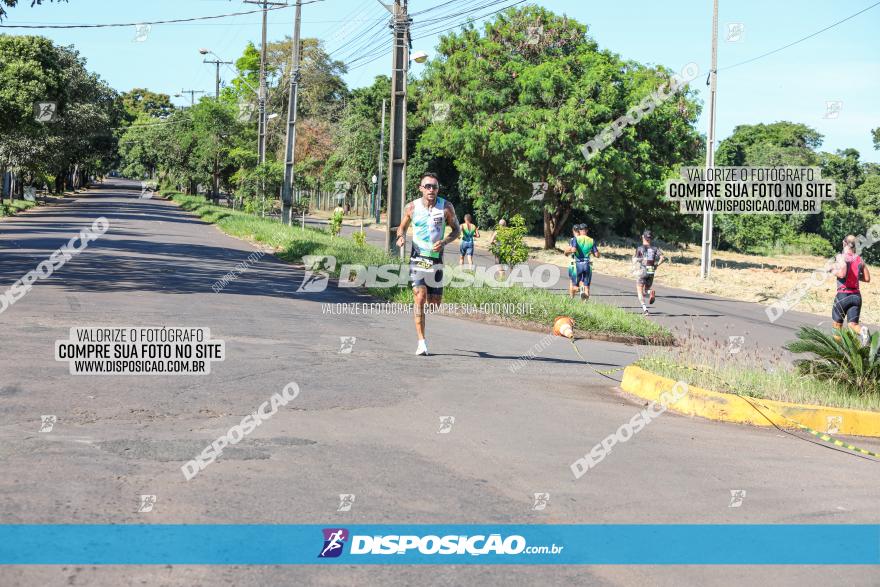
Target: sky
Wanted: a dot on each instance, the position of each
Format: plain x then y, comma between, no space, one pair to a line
830,82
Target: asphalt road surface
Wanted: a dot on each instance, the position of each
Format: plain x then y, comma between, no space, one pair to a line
365,423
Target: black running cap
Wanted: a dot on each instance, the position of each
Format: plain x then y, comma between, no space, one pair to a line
648,235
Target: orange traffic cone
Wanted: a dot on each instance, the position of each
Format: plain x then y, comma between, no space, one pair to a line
563,326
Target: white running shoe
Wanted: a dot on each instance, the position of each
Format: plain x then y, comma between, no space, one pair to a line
423,348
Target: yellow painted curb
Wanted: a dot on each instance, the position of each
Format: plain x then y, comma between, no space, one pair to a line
728,407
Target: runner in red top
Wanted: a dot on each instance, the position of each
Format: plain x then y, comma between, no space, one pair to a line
849,270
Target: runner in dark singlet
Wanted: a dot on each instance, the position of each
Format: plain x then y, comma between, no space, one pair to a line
647,259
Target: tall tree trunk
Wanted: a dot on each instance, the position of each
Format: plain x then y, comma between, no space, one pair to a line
553,223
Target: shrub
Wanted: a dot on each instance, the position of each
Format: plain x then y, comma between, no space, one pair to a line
509,245
336,222
839,357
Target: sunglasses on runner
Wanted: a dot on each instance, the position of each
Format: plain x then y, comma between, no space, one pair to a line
431,186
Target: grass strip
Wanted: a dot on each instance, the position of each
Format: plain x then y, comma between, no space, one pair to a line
774,379
520,304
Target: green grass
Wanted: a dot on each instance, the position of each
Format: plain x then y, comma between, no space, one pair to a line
14,207
542,306
751,373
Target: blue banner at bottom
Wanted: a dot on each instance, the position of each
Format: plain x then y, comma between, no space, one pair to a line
612,544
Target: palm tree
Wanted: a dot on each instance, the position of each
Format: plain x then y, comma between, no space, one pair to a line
839,356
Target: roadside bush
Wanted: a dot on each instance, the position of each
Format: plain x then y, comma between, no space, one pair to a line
336,222
509,245
840,357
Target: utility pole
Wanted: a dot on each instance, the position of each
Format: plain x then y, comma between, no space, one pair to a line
192,95
261,125
378,202
292,100
215,182
218,63
706,256
397,156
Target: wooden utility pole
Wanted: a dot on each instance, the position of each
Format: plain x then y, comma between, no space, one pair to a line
292,100
396,199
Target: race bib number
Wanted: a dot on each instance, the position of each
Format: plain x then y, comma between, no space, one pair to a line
423,263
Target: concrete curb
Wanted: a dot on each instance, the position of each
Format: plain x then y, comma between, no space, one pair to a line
727,407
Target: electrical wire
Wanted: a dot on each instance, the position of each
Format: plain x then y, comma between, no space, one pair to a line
128,24
831,26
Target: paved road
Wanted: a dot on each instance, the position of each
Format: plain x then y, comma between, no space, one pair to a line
365,423
682,311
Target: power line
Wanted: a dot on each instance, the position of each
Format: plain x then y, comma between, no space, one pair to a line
374,53
128,24
470,19
831,26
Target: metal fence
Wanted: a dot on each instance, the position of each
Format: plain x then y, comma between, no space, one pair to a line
354,203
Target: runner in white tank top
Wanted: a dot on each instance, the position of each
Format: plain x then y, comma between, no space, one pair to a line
429,216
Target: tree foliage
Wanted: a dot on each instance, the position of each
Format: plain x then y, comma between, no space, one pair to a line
56,117
519,112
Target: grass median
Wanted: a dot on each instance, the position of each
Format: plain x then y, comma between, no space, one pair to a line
15,206
526,305
708,364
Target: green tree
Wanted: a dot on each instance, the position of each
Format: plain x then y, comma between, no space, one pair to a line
778,144
519,112
77,137
867,195
142,101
